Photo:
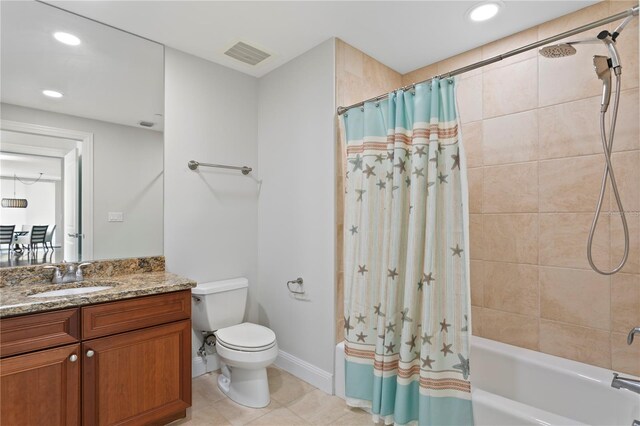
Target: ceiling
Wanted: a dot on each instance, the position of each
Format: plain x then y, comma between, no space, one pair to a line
28,155
111,76
404,35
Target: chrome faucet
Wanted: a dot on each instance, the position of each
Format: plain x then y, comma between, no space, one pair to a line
72,274
625,382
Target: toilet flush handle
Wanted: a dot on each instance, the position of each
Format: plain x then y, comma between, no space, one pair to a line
298,281
196,298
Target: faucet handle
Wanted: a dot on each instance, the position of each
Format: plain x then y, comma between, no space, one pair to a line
57,274
79,272
632,333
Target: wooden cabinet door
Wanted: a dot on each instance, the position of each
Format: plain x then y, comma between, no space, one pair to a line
138,377
41,388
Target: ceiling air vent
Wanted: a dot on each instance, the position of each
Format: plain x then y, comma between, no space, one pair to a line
247,54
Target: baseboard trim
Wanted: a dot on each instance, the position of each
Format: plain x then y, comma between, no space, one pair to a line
311,374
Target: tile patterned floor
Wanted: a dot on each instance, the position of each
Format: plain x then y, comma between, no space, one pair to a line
293,402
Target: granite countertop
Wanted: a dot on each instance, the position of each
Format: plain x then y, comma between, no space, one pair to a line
15,300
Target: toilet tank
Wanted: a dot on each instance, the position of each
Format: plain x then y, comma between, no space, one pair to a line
218,304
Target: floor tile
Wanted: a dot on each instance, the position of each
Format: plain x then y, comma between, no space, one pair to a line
319,408
279,417
285,387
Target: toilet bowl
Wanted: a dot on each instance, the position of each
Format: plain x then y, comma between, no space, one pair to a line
245,349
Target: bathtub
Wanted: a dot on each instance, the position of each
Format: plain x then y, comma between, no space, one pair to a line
515,386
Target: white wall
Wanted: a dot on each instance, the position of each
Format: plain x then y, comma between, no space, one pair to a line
127,177
41,208
297,208
211,215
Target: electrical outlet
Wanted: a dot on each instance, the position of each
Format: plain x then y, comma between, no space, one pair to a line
116,217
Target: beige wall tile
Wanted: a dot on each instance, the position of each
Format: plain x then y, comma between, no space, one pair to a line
572,20
563,240
511,287
350,89
472,139
511,237
353,60
476,321
511,42
626,166
627,125
571,184
625,302
378,78
570,129
518,330
624,358
512,188
575,296
420,74
469,99
476,239
582,344
477,279
570,78
474,177
617,242
510,138
510,89
461,60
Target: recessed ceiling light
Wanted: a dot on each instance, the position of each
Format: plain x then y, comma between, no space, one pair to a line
52,93
484,11
67,38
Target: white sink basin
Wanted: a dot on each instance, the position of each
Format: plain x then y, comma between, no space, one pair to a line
71,291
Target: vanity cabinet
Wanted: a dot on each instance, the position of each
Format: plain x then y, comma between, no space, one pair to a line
131,363
41,388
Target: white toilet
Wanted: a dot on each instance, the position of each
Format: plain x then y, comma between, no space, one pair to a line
245,349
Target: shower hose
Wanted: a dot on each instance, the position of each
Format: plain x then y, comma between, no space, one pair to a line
607,147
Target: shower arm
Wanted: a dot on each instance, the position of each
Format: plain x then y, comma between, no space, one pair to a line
627,15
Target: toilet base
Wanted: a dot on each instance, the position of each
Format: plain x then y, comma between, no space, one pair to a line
246,387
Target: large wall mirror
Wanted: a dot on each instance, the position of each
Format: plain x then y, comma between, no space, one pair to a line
81,139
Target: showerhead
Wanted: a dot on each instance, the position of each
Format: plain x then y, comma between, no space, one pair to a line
557,50
602,67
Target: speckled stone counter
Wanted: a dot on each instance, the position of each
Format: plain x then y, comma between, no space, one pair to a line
125,278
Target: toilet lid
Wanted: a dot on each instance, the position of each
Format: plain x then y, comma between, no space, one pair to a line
246,335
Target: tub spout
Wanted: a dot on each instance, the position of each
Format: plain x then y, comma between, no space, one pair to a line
625,383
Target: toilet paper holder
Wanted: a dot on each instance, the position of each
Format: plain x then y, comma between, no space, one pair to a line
298,281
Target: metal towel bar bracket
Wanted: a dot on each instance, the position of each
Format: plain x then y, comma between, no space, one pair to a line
298,281
193,165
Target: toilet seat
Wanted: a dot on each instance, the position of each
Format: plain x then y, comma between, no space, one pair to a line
246,337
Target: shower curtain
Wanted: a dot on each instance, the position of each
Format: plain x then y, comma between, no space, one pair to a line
407,305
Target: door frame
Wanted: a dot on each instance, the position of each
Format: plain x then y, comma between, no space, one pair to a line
87,170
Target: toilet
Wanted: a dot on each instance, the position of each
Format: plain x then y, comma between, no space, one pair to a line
245,349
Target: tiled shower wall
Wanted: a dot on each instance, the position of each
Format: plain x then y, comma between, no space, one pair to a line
530,130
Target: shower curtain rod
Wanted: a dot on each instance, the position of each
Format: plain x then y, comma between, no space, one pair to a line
629,12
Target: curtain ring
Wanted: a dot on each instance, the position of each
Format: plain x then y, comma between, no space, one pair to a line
362,108
377,104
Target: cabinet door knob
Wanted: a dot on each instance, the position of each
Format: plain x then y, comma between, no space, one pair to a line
73,358
90,353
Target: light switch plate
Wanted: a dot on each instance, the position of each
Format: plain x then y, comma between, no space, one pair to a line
116,217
